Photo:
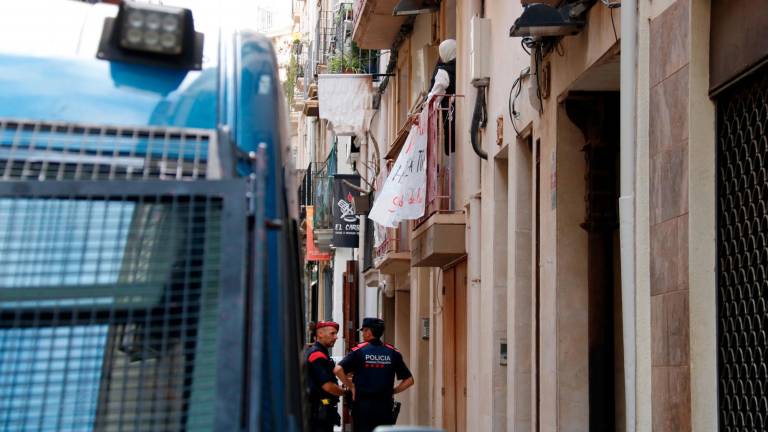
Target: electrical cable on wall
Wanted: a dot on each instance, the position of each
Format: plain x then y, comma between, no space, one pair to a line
517,88
538,58
611,5
402,35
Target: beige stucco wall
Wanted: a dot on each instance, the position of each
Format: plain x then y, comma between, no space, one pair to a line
564,323
563,340
702,236
499,302
436,353
467,185
420,394
643,395
500,397
520,287
402,340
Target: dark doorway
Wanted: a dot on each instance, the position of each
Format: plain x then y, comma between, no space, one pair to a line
597,115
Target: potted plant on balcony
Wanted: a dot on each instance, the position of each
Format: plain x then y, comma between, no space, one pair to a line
345,63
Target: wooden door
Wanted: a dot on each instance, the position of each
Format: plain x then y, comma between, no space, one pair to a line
460,327
455,348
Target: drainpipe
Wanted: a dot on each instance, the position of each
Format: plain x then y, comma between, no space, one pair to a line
469,173
627,201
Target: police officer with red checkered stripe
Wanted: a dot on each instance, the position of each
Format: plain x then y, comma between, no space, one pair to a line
324,390
373,366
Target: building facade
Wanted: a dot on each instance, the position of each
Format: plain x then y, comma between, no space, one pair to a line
591,254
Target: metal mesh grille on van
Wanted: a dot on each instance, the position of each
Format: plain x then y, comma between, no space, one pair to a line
108,312
62,151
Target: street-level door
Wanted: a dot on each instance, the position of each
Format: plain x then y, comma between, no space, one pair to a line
596,115
455,348
742,252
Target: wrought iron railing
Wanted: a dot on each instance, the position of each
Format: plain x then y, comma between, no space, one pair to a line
368,248
395,240
391,240
322,191
337,52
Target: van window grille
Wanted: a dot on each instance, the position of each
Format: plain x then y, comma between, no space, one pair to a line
743,255
109,307
51,151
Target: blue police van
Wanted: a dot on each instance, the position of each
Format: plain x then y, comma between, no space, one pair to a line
149,275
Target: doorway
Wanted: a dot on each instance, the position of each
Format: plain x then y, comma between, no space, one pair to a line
596,114
455,348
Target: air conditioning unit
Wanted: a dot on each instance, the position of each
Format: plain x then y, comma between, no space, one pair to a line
323,239
479,48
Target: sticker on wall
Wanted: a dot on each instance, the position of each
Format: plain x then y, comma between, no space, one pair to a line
553,179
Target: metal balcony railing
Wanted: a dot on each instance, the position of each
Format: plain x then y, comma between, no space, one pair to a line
395,240
336,52
368,248
440,167
305,191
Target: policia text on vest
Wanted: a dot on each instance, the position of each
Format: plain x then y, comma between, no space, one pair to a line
374,366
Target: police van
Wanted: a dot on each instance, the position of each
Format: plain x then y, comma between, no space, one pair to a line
148,246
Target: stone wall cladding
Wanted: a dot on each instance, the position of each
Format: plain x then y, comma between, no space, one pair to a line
669,108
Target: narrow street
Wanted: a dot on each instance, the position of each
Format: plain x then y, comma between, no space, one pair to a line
384,215
558,204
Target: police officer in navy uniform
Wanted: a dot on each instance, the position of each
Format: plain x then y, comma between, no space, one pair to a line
373,366
324,390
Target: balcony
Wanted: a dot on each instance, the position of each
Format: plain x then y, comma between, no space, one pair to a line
393,255
338,54
374,25
438,237
311,106
322,192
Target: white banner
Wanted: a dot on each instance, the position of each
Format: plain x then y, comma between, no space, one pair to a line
345,101
404,192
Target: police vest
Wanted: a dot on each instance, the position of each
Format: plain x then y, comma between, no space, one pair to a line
375,366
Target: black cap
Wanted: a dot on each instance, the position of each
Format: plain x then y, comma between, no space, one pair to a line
372,323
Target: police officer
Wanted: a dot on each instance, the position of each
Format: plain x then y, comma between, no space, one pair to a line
323,389
374,366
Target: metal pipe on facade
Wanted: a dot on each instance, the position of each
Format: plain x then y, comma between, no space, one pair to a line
479,118
627,203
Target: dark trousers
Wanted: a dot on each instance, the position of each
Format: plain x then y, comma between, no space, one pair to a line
367,414
322,418
320,426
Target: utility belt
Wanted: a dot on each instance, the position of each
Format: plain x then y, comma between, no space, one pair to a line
324,410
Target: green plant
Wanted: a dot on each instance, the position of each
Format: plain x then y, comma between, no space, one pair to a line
344,63
289,85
